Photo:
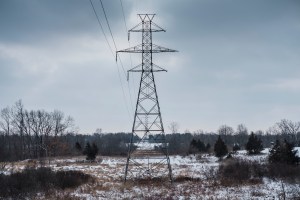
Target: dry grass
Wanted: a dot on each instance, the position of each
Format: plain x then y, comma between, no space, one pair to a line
3,165
180,179
193,179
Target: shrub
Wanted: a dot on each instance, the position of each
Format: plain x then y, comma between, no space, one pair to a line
71,179
39,180
284,171
235,172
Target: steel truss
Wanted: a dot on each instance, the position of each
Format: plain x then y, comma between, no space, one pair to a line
148,155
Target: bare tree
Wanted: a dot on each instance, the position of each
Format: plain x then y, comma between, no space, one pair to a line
287,128
18,124
41,126
60,125
241,136
198,132
226,132
174,126
98,131
241,129
6,125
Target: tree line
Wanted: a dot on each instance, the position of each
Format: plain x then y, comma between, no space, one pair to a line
32,133
38,133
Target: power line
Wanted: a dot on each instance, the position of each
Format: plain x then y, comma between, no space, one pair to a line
124,96
108,24
101,26
126,31
123,15
112,36
102,5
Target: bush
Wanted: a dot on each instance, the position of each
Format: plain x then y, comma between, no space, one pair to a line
284,171
39,180
71,179
235,172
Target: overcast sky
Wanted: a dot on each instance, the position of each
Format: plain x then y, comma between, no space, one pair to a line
238,61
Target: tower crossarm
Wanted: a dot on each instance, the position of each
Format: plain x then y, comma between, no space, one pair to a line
139,68
141,49
154,28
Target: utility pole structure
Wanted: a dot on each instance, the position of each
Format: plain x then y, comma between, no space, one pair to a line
148,155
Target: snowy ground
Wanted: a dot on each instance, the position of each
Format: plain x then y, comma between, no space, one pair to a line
110,171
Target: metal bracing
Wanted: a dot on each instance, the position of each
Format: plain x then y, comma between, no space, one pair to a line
148,157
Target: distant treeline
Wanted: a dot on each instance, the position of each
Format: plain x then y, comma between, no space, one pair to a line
115,144
26,134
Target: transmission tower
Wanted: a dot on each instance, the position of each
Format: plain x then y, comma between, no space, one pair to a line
148,156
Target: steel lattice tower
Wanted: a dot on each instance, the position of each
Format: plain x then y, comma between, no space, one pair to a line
148,155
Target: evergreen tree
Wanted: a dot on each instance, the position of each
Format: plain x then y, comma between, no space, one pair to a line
200,146
193,147
207,148
283,153
220,148
90,151
95,149
275,152
289,154
254,144
78,146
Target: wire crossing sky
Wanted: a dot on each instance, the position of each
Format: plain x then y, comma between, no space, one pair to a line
238,61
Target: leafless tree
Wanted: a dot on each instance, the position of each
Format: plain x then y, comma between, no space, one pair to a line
174,127
287,128
18,124
242,129
6,125
30,134
241,136
98,131
60,127
226,132
61,123
198,132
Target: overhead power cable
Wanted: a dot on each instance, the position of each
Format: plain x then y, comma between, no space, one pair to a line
112,36
108,25
124,15
99,22
126,31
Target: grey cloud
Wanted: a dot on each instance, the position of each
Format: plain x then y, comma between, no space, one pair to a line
231,55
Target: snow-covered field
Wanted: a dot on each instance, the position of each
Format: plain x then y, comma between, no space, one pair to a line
201,185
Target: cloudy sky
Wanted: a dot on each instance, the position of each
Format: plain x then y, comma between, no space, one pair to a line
238,61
